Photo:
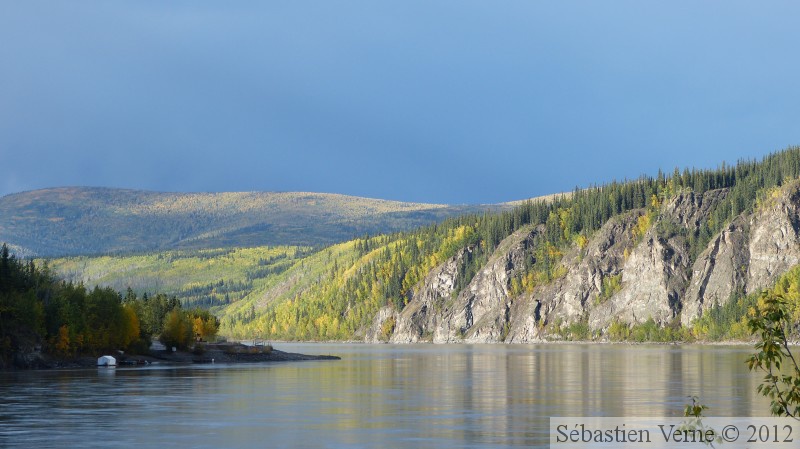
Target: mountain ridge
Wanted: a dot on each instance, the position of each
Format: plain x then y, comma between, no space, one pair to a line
667,258
62,221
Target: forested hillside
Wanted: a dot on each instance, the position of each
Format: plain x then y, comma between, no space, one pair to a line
645,257
41,314
81,220
209,278
391,268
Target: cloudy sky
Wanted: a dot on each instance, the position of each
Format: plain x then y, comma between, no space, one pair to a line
429,100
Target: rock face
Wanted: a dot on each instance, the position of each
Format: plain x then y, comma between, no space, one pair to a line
423,313
774,239
479,312
719,271
690,210
748,255
653,278
617,276
375,334
569,298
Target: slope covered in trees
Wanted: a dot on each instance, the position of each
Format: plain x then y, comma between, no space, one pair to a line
335,293
39,312
384,270
209,278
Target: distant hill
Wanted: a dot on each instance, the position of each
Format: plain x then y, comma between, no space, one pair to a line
81,220
668,258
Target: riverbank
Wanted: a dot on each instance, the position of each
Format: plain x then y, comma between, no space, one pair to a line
213,355
219,355
529,343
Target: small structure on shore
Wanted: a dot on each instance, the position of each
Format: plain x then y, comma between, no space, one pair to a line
106,360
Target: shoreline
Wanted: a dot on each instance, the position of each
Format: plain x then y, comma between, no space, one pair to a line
542,342
46,362
38,361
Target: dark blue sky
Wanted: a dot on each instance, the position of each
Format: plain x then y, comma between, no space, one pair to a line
436,101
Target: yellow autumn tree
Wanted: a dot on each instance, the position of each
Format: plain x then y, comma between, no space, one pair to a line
177,330
130,329
62,341
205,328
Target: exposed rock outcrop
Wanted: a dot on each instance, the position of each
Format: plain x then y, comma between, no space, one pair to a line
479,312
375,333
567,299
431,300
620,275
774,238
689,210
748,255
719,271
482,310
653,279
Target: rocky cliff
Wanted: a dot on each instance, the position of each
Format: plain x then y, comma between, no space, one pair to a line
623,274
748,255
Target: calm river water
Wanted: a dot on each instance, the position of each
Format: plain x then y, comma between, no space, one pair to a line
377,396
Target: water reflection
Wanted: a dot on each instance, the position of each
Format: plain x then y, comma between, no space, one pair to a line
377,396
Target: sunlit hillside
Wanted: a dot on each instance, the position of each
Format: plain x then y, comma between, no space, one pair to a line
79,220
525,255
207,278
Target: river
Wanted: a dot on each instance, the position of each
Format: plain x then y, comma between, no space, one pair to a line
377,396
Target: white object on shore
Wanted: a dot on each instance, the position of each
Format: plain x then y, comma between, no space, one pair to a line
106,360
